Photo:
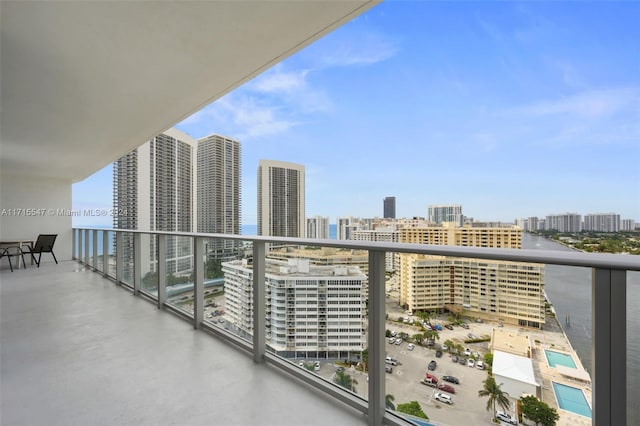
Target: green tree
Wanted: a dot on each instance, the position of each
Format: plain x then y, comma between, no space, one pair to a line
538,411
346,381
412,408
387,333
459,349
418,338
495,394
388,402
488,359
449,343
431,334
213,269
365,359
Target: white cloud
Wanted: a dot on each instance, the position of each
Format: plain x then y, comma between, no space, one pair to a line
590,104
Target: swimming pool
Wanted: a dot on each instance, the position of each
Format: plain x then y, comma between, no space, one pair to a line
558,358
572,399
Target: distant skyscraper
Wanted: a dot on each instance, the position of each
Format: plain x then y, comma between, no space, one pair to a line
218,190
446,213
318,227
627,225
389,207
281,203
153,188
567,222
602,222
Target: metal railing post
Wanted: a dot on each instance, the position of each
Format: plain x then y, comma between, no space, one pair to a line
198,283
119,258
94,259
162,270
376,337
74,242
86,247
609,346
105,253
259,300
137,262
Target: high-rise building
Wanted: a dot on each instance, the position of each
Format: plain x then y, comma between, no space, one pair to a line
218,192
312,311
390,235
281,202
446,213
602,222
627,225
567,222
490,289
154,186
466,236
318,227
345,226
389,208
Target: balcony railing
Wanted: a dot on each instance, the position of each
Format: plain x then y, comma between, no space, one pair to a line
609,302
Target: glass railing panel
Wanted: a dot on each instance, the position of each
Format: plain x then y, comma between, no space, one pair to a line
99,254
127,258
149,279
111,253
228,286
633,347
316,303
179,276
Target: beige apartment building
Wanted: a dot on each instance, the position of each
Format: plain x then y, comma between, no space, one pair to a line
467,236
510,292
493,290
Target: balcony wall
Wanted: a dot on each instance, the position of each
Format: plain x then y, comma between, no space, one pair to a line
33,205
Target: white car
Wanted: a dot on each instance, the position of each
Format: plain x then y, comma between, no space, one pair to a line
505,418
480,365
443,397
316,366
471,362
467,352
445,347
398,341
410,346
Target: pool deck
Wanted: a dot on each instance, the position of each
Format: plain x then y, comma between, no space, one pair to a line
552,337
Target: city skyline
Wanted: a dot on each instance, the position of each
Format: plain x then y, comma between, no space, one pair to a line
510,109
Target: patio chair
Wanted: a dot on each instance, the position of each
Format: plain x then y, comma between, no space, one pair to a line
12,251
44,244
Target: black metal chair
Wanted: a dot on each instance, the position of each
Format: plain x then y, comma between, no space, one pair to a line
44,244
12,251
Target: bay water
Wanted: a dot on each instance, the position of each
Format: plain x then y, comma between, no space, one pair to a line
569,291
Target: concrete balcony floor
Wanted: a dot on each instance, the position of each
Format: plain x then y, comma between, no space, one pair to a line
78,350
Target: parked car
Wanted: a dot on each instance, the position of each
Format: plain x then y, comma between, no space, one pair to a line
388,369
505,418
392,361
445,347
392,340
438,327
472,336
398,341
446,388
394,333
480,365
316,366
454,358
464,325
451,379
410,346
430,382
431,342
448,327
462,361
443,397
475,354
340,369
431,377
467,352
432,365
471,362
438,354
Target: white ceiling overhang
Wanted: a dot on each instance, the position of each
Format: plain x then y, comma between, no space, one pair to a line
84,82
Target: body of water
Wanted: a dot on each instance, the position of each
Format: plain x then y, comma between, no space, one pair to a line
569,290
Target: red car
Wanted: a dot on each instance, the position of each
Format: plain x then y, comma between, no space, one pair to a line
447,388
431,378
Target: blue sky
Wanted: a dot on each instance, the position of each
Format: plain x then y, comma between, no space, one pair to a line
510,109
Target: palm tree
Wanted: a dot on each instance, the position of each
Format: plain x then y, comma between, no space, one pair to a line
495,394
388,402
346,381
449,343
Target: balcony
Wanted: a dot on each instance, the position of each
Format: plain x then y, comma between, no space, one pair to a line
85,322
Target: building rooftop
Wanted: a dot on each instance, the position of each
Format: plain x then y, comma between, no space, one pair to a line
513,366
